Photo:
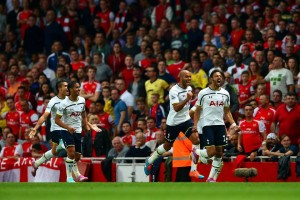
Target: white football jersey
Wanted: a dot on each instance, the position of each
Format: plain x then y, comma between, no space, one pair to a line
178,94
52,108
212,103
71,112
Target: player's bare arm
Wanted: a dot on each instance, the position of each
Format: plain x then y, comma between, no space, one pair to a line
178,106
196,117
42,119
230,119
60,123
85,121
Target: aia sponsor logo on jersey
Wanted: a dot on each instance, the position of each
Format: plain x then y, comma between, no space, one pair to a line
75,114
216,103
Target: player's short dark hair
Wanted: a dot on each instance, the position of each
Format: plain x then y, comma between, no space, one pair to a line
72,84
215,71
59,84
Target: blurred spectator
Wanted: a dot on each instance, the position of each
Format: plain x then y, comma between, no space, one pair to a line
273,144
137,86
12,117
57,51
151,129
106,93
252,135
287,149
126,96
76,63
236,70
149,58
139,149
154,85
130,47
128,134
288,118
156,110
105,119
141,54
123,20
11,149
127,72
5,131
159,139
116,59
104,72
3,110
96,144
53,32
265,112
162,10
60,75
27,118
163,74
280,78
245,90
34,38
118,149
44,91
120,109
177,66
142,111
90,89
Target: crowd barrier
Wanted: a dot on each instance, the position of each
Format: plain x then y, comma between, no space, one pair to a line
12,170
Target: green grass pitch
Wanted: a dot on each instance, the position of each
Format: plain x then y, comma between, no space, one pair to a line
149,191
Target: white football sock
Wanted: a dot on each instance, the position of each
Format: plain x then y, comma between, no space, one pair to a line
69,167
219,171
46,156
159,151
75,169
215,167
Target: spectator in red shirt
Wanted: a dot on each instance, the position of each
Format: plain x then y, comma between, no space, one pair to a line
288,117
129,136
237,33
27,118
90,90
151,129
76,63
105,119
177,66
11,149
116,59
252,135
277,98
127,72
265,112
12,117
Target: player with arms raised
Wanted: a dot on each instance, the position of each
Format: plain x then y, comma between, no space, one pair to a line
213,102
178,119
71,116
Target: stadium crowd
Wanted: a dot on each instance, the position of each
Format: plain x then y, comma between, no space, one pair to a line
128,54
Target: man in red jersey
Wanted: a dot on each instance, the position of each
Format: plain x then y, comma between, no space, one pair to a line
177,66
90,90
288,117
27,118
105,119
127,72
107,17
12,117
245,90
265,112
252,135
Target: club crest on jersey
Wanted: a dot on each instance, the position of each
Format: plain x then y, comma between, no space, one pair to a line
216,103
75,114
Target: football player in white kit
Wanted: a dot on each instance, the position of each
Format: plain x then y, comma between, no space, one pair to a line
71,116
213,102
62,88
178,119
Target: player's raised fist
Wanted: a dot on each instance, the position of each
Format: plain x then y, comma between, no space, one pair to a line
189,95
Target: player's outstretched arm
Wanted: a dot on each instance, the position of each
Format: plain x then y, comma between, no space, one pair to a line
42,119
